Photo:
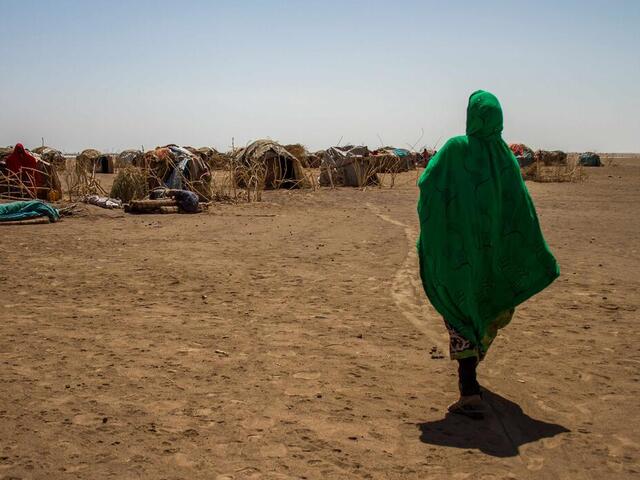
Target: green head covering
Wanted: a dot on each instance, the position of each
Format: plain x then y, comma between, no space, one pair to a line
484,115
481,249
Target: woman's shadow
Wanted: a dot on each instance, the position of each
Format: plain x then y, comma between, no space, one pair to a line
500,434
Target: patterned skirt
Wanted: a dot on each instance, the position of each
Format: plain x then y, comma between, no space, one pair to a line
460,347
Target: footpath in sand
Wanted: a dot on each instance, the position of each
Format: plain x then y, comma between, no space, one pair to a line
291,339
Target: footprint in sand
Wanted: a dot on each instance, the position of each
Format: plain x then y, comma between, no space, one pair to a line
460,476
553,442
75,468
301,392
87,419
183,461
258,423
535,464
274,451
307,375
585,377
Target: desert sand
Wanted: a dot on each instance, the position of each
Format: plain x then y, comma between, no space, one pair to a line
291,339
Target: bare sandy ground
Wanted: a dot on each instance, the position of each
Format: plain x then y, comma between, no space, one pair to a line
291,339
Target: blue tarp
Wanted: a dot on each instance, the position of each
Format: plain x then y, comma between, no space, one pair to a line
178,175
400,152
11,212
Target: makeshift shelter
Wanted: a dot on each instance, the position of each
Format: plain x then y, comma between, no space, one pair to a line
130,157
5,152
589,159
523,154
214,159
315,159
178,168
92,160
268,165
554,158
205,153
24,174
348,166
52,156
299,151
394,160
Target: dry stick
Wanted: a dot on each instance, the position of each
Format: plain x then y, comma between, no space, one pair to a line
27,221
81,183
413,147
10,180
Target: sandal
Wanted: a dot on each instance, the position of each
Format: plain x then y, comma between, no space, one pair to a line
472,407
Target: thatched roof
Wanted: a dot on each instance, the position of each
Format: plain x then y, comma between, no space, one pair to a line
52,155
90,154
259,150
270,161
130,157
5,151
556,157
297,150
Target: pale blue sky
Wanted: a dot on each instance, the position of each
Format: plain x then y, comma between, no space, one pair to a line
120,74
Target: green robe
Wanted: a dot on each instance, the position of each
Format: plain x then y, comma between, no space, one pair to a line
480,247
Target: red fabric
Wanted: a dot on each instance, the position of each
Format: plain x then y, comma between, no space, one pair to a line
20,161
517,148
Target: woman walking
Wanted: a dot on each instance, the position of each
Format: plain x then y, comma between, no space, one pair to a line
480,247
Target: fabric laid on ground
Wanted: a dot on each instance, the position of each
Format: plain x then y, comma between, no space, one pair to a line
187,201
14,211
104,202
481,249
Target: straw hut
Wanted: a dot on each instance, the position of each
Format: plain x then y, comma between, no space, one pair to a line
394,160
589,159
53,156
178,168
205,153
130,157
92,160
5,152
554,158
348,166
314,159
214,159
217,160
268,165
